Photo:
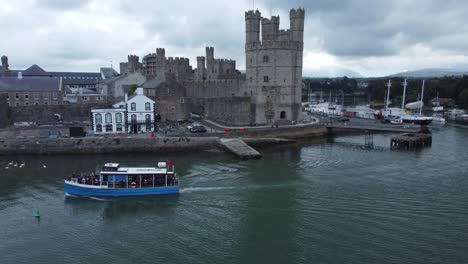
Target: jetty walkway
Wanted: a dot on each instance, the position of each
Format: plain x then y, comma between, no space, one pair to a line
374,128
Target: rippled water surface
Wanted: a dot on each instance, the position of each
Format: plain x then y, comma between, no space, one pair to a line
322,202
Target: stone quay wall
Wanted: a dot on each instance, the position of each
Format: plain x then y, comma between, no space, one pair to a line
46,113
95,145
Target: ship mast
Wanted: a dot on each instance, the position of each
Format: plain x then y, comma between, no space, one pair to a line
389,85
404,95
422,96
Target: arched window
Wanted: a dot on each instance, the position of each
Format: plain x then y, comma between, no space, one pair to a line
283,115
147,107
118,118
108,118
133,106
98,118
148,118
133,118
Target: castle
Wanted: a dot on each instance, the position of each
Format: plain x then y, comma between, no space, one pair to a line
269,92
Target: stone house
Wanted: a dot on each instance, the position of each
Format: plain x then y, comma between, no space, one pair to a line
171,98
135,114
116,87
28,91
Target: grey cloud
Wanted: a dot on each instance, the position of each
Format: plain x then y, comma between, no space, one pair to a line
352,31
62,4
382,28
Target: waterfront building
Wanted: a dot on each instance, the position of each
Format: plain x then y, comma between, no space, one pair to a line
35,86
28,91
135,114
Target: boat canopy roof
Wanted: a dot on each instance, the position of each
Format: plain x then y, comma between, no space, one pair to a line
138,170
162,168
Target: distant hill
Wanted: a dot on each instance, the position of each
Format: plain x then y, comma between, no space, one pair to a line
430,73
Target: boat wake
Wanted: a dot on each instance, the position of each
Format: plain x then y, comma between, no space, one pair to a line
204,189
89,197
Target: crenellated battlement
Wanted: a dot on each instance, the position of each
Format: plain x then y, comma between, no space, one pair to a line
252,15
160,52
297,13
273,20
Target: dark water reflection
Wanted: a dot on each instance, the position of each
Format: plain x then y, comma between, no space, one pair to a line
316,202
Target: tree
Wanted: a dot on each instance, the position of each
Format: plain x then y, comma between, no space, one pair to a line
132,90
462,99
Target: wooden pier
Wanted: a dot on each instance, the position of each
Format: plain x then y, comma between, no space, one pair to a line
411,140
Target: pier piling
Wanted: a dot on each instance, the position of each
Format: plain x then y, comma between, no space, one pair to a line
410,141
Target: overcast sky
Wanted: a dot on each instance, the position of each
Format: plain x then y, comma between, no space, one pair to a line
365,37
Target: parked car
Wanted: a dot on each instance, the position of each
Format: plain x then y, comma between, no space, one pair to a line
197,129
24,124
194,124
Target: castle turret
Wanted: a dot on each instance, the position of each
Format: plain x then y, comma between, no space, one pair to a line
296,17
270,28
160,53
201,70
5,63
252,27
274,67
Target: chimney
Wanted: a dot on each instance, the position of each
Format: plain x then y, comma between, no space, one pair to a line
20,75
139,91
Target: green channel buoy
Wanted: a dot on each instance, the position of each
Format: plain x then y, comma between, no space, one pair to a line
37,213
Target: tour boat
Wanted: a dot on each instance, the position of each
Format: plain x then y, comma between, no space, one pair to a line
115,181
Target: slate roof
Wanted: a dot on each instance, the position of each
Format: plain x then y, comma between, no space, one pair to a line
109,72
30,84
90,78
151,84
35,71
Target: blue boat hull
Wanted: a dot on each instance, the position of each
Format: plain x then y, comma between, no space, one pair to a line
105,192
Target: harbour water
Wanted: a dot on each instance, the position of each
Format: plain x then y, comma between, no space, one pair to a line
317,202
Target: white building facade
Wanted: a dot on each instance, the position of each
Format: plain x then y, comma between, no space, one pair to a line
135,114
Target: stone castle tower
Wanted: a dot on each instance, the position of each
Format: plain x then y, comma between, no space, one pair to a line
274,66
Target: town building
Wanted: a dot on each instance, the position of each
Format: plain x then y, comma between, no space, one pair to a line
116,87
135,114
28,91
76,87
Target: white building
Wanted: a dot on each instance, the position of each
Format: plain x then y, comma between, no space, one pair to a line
135,114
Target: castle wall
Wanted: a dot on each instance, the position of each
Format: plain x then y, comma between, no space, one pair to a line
216,88
233,110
